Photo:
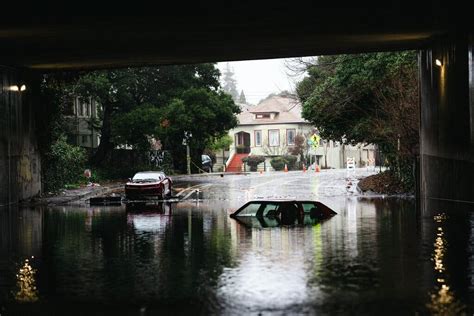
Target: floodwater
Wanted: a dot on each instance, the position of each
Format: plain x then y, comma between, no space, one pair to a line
377,256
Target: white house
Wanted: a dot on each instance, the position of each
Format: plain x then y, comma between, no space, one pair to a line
269,129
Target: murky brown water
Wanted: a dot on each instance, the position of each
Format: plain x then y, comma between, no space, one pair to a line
375,257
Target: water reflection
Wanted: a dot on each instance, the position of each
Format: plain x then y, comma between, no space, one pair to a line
26,284
149,207
442,300
325,266
373,257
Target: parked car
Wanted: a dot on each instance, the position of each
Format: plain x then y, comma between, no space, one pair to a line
148,185
283,212
206,163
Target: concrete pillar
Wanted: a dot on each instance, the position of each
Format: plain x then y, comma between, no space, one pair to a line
20,167
447,120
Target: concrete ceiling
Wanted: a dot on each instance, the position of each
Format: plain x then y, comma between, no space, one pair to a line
209,33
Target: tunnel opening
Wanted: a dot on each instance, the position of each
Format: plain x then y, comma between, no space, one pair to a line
128,119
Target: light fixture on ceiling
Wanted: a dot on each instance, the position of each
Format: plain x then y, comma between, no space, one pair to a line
438,63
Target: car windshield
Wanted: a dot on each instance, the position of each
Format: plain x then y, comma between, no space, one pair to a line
146,177
250,210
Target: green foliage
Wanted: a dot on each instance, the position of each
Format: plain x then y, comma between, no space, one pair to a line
133,127
367,98
221,143
64,164
278,163
215,112
140,103
55,91
160,102
253,161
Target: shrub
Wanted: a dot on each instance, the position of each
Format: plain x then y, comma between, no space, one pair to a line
278,163
290,161
253,161
64,165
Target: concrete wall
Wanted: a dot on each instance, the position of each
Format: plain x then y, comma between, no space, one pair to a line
447,116
20,167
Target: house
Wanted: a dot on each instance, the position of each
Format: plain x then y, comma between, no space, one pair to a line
82,122
270,129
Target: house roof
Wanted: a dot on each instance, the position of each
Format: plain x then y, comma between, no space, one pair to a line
286,109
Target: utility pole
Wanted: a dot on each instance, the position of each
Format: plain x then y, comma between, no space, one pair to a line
188,159
187,136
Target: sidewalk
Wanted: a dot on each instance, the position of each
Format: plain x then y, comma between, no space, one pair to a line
77,196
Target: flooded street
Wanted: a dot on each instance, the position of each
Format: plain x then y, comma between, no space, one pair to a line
377,256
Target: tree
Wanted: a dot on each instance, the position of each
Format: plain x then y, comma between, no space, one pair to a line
367,98
299,147
229,83
242,98
215,112
131,97
221,143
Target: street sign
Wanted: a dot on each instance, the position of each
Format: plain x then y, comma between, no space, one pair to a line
315,140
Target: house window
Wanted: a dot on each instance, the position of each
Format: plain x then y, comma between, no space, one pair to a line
84,109
79,107
262,115
258,138
274,137
290,137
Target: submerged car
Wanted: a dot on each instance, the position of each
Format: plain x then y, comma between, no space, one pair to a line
148,185
283,212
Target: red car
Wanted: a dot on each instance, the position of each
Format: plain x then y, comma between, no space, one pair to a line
148,184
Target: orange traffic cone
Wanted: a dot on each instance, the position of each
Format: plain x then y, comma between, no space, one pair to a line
286,168
304,168
317,168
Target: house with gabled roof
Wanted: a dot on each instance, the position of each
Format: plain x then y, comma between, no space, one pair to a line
269,129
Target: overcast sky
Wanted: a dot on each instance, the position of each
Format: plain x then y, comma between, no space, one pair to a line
259,78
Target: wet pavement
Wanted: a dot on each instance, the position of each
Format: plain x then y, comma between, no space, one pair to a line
377,256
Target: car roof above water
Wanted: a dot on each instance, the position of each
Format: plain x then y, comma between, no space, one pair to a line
280,202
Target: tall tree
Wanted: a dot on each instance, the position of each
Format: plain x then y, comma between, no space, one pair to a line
135,102
242,98
371,98
229,83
